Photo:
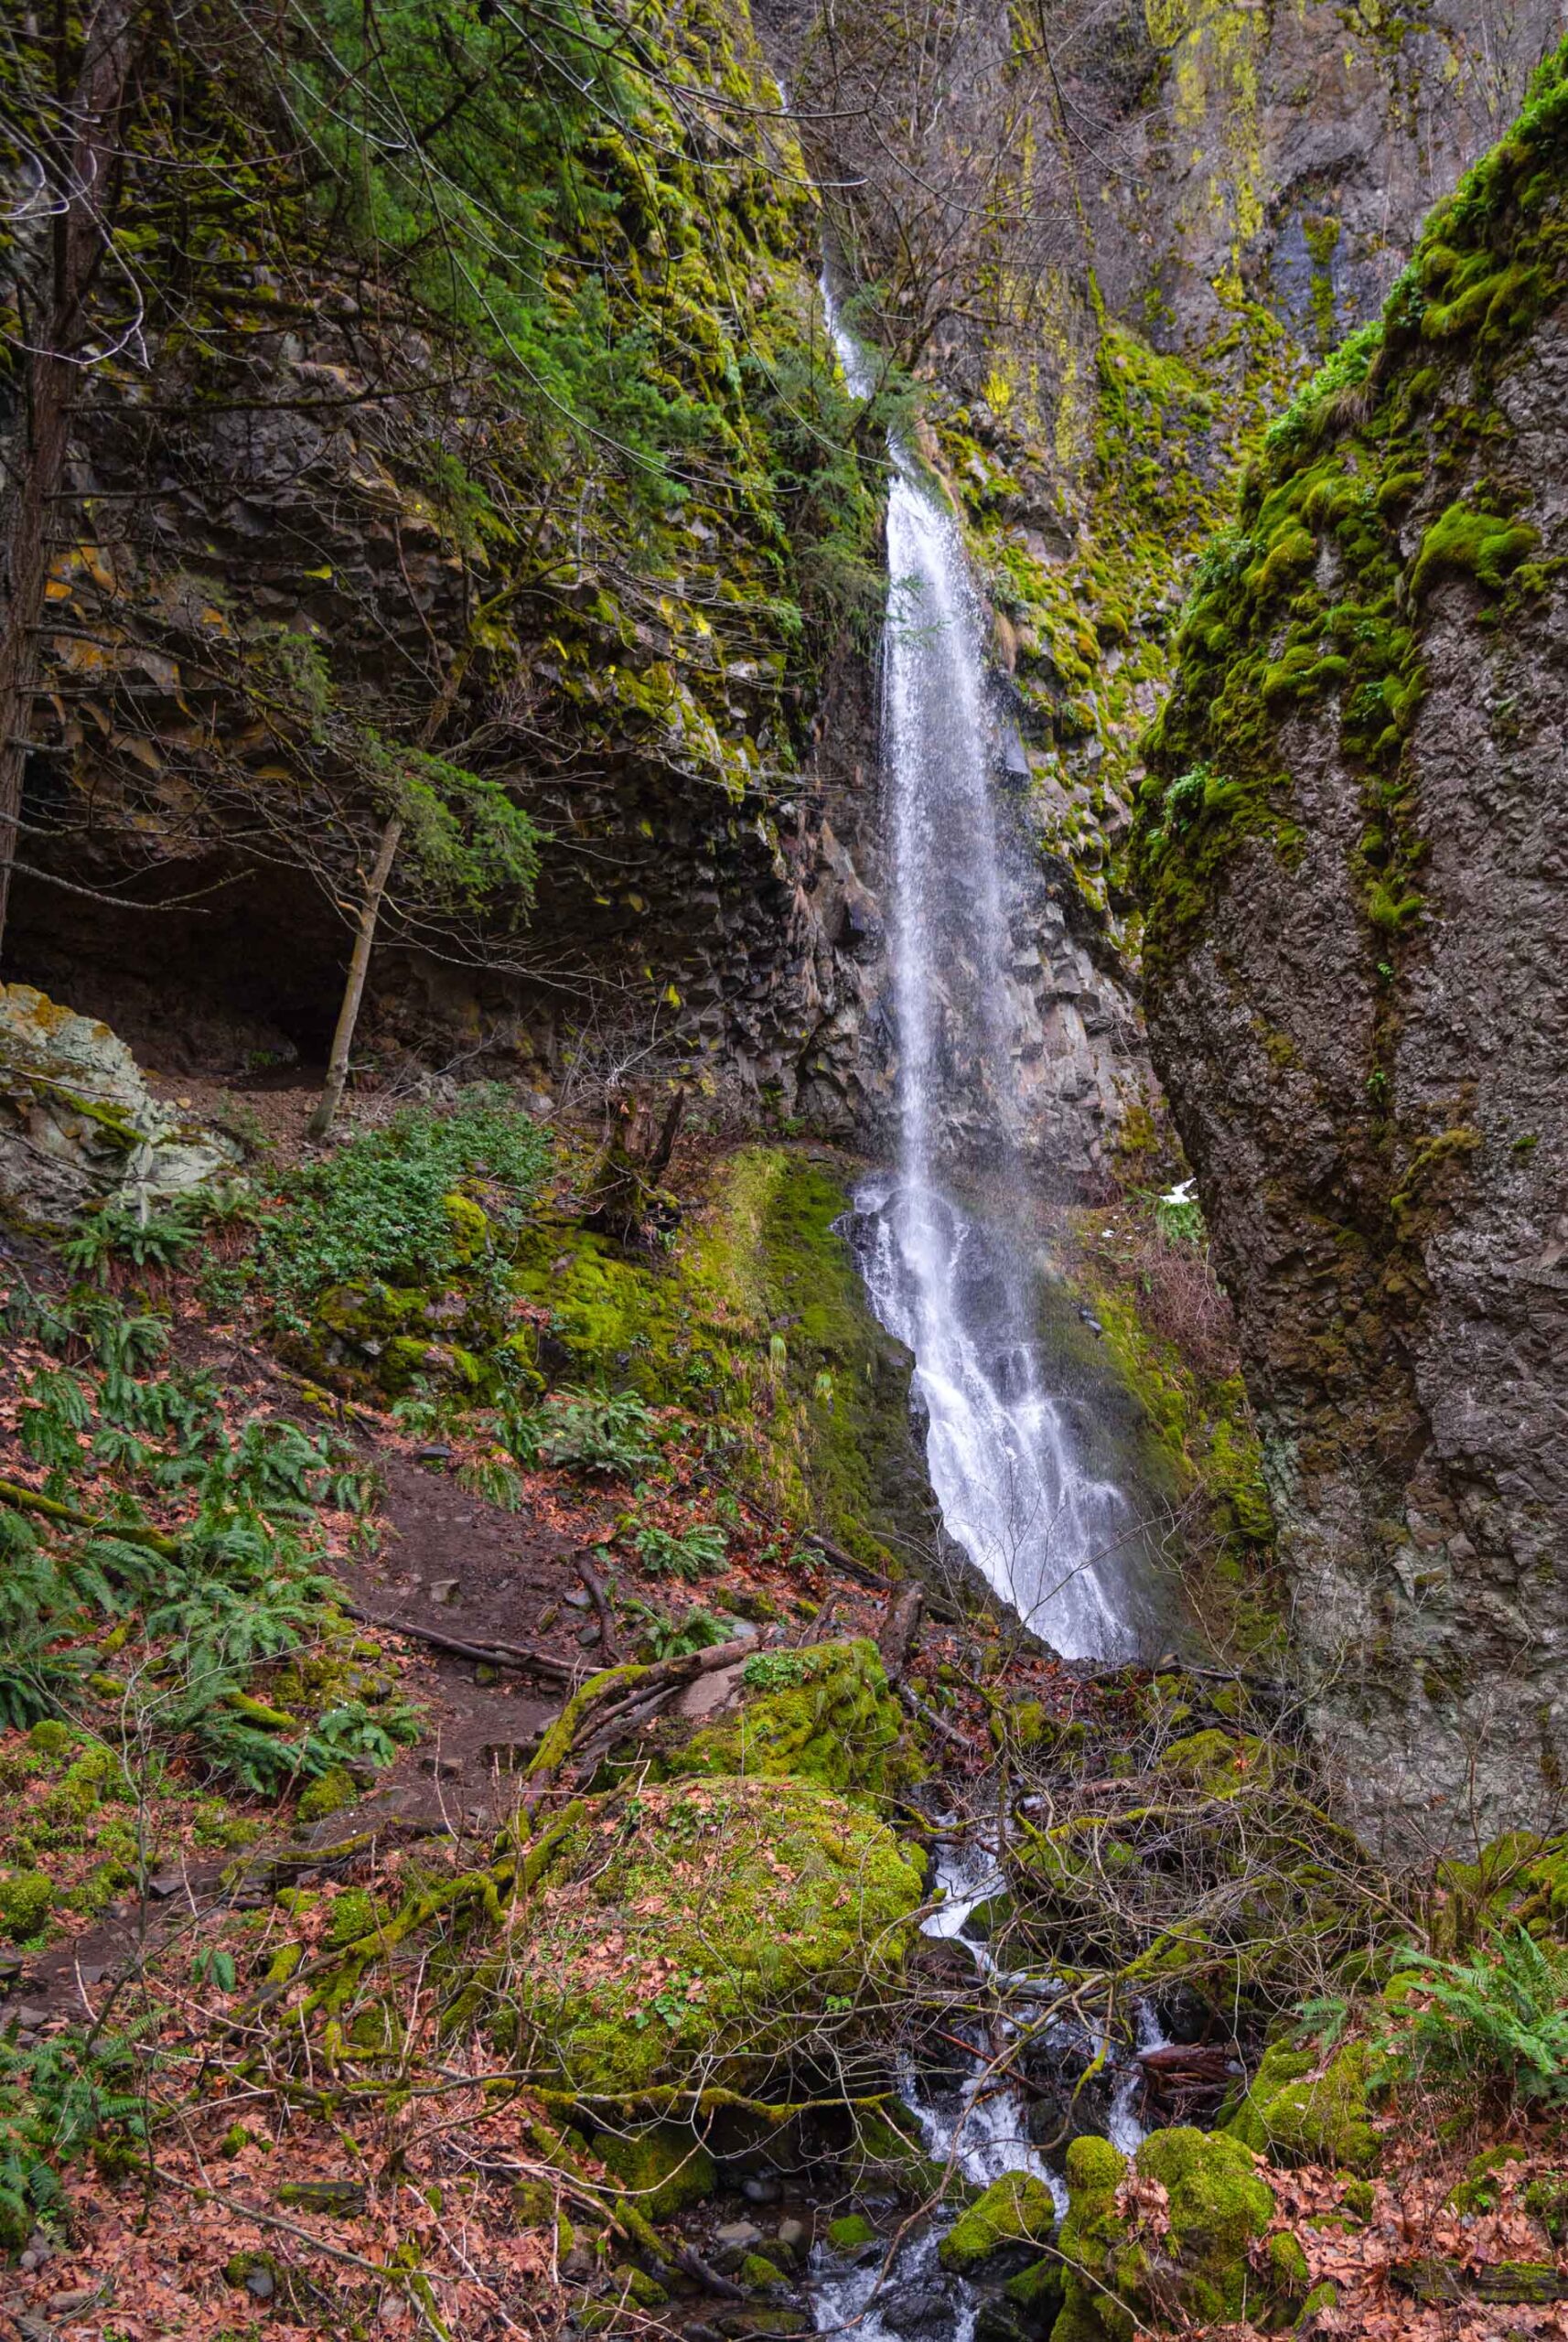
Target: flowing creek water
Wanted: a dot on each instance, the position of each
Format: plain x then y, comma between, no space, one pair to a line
1052,1536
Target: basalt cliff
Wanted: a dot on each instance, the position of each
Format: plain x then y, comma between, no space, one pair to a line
1352,849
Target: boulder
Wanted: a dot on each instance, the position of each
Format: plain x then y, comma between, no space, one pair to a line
78,1122
1165,2238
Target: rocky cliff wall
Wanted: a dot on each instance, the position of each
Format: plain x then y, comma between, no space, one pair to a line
1112,245
1354,849
312,523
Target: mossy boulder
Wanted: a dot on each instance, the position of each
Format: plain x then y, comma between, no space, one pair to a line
78,1122
392,1336
1300,2109
327,1794
702,1928
1163,2239
665,2167
824,1714
26,1898
1007,2224
851,2234
1215,1761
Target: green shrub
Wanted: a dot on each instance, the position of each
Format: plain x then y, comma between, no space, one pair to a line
389,1205
1498,2022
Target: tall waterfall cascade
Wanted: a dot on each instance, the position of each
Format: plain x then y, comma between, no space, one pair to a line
959,1289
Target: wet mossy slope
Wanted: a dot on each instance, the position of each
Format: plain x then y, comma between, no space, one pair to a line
756,1319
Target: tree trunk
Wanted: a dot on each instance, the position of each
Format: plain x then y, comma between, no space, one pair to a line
331,1097
79,235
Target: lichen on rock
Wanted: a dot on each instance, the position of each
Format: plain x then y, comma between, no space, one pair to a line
78,1122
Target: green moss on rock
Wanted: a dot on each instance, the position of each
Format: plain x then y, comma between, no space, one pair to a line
1299,2111
823,1713
694,1929
328,1793
1015,2212
666,2167
849,2234
26,1898
1176,2250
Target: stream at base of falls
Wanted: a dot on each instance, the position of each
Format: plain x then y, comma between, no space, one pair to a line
976,2126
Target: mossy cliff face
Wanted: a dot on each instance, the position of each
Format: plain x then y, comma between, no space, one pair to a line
363,535
1353,849
758,1318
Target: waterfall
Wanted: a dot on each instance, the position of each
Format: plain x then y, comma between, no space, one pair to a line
959,1290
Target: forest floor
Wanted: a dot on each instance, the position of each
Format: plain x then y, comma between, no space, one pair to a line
193,2141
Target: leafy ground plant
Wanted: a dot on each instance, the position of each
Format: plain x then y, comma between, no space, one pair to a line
690,1553
1498,2023
235,1581
402,1205
582,1432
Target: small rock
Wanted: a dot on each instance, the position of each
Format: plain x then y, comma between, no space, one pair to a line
94,1975
590,1636
167,1884
67,2305
29,2016
485,1675
793,2235
435,1452
743,2234
578,1598
762,2187
441,1769
444,1589
261,2285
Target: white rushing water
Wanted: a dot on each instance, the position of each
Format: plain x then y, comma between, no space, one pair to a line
960,1293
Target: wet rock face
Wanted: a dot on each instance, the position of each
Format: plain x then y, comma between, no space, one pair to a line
1362,1020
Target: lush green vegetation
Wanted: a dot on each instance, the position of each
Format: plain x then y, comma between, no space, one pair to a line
239,1586
427,1198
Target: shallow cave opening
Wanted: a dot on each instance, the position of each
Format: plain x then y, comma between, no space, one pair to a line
243,982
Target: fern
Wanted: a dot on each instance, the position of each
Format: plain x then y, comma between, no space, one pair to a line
496,1482
690,1553
586,1432
1500,2021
